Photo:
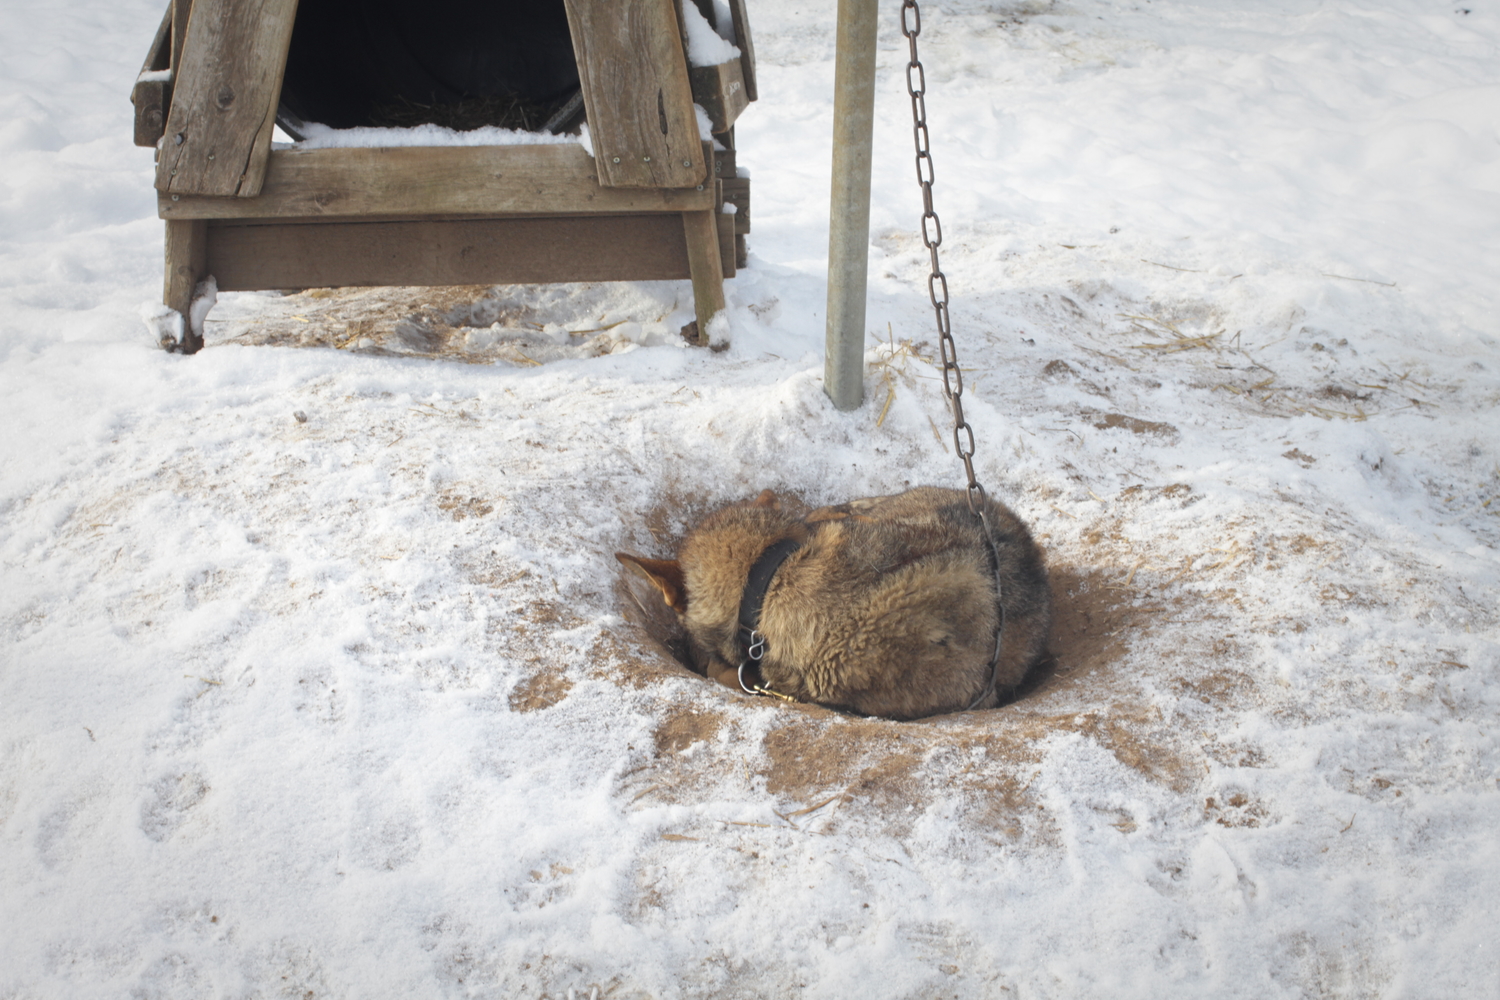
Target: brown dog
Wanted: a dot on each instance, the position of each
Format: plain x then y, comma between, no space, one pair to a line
884,606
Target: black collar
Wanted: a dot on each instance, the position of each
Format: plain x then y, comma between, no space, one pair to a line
752,644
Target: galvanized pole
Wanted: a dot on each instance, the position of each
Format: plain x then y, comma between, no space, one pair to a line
849,210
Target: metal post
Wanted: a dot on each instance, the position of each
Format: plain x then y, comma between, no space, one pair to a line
849,209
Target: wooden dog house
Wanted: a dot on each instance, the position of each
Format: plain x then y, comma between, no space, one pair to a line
651,202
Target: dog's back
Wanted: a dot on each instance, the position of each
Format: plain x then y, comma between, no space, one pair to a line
888,608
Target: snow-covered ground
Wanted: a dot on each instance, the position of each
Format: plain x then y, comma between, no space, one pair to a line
317,678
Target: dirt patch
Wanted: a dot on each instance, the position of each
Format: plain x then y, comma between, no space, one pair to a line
521,326
685,727
1221,688
1236,754
539,691
811,754
1135,425
826,769
460,507
1091,616
1236,809
552,613
634,660
1297,455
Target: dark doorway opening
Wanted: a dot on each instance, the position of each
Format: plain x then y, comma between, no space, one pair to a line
461,64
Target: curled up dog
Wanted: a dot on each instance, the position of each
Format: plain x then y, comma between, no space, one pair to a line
890,606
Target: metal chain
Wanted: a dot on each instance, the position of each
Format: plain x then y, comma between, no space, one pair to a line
932,238
937,291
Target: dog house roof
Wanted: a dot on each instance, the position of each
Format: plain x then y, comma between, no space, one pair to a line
638,89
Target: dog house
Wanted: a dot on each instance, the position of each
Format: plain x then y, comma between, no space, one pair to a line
651,197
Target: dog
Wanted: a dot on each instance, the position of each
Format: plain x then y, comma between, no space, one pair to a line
883,607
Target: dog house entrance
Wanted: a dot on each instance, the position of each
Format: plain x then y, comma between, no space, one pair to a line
652,198
459,64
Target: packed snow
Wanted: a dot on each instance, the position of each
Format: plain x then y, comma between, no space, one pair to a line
320,679
705,45
319,136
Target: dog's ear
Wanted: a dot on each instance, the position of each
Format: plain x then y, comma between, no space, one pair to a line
767,498
665,573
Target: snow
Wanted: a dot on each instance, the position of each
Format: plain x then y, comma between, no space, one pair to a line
316,677
319,136
705,46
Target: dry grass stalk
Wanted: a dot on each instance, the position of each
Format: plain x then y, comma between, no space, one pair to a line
892,365
1327,414
1179,342
814,808
1368,281
464,116
890,397
1169,267
648,791
1235,554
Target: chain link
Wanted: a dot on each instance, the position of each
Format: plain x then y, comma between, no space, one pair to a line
932,238
937,291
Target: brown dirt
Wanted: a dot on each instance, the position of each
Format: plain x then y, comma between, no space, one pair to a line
539,691
870,771
1135,425
685,727
460,507
1236,809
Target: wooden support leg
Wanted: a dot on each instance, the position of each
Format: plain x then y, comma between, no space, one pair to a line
706,267
186,265
727,259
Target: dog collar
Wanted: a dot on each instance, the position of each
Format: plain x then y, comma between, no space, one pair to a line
752,643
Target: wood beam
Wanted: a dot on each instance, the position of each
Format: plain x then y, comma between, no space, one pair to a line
218,132
439,180
186,265
633,68
245,255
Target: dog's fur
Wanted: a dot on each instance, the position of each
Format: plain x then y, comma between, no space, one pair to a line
888,609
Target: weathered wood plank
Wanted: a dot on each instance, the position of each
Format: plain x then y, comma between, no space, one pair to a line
706,266
151,97
737,193
724,162
634,74
249,255
721,91
724,228
439,180
741,21
218,132
181,9
186,264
